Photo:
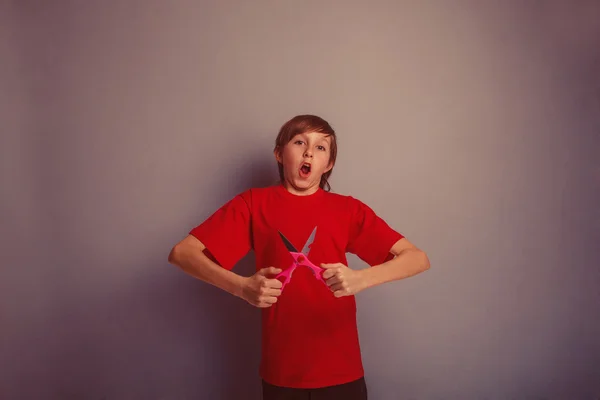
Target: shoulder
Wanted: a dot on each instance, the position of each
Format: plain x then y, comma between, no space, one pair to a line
260,191
348,207
344,200
256,195
338,197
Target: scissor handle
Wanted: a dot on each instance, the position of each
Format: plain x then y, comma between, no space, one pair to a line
300,260
286,275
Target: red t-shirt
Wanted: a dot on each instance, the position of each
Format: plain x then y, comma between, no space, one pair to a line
309,337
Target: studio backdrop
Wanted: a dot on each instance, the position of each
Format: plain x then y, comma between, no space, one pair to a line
472,127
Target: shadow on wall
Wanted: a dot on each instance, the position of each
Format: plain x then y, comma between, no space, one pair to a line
226,329
212,339
150,332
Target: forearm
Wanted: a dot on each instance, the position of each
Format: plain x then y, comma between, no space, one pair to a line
194,262
408,263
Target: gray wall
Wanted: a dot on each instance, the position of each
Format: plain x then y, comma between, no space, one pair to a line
471,127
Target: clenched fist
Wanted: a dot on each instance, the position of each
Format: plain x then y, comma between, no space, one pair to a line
260,290
342,281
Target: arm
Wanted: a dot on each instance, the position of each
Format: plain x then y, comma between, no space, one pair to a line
408,261
258,289
189,256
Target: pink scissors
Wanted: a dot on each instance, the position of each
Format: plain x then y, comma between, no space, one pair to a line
300,259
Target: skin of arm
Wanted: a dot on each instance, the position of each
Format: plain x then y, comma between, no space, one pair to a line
408,261
258,289
189,256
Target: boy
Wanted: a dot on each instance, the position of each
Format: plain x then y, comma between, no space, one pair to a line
310,346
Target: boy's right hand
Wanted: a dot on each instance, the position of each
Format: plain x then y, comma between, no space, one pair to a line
260,290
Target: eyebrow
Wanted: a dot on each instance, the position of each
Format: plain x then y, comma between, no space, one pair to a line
326,140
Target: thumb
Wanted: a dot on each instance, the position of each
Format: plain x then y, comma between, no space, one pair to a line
330,266
269,271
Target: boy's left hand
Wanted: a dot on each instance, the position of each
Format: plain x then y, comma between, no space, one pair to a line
342,281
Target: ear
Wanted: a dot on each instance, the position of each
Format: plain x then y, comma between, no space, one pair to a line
329,167
277,154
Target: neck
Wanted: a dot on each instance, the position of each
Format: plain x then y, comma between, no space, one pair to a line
300,191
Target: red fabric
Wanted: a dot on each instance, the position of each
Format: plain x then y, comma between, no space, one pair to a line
309,337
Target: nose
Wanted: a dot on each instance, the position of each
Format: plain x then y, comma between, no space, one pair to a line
308,153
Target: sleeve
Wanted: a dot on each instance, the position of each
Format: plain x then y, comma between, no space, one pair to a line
227,232
370,237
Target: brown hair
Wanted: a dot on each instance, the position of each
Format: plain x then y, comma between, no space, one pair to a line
302,124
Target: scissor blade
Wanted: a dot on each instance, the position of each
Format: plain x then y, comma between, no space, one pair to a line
311,238
288,244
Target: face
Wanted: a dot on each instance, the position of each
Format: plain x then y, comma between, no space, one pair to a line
305,158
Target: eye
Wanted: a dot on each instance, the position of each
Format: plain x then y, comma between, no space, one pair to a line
298,142
322,148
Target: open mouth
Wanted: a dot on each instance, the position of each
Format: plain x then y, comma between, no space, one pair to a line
305,169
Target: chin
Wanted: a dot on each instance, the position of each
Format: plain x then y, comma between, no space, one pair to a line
302,184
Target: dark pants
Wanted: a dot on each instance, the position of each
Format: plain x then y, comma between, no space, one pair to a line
355,390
